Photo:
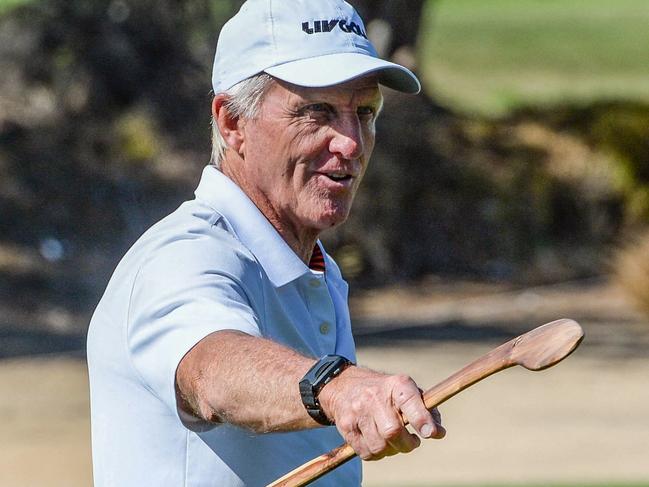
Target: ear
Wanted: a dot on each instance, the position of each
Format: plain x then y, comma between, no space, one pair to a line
229,126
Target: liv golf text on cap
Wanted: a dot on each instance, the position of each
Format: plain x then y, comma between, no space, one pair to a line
312,43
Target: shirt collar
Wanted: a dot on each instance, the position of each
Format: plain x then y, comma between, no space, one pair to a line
281,264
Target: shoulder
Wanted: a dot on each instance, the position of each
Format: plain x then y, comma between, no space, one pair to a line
192,248
193,239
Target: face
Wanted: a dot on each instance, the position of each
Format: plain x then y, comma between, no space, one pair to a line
305,154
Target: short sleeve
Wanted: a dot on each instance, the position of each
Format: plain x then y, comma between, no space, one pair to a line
184,291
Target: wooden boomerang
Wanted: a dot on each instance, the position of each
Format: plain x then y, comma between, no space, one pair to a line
537,349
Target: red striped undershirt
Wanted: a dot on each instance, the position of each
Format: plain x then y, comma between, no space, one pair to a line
317,262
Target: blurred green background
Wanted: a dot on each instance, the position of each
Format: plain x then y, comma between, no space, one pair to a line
523,167
489,57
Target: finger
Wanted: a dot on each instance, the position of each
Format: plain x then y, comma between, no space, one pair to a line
357,442
348,428
392,429
409,401
405,442
376,442
437,417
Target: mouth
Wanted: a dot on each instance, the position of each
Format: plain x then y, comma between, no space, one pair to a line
338,176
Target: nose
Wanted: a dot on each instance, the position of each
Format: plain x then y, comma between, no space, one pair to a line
347,140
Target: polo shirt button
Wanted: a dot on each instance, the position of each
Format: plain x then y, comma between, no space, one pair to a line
314,283
324,327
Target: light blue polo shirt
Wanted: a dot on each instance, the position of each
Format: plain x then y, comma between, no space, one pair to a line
215,263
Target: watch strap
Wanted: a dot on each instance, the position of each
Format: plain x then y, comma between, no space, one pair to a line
320,374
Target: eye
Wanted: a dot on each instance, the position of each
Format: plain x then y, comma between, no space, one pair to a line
319,108
366,112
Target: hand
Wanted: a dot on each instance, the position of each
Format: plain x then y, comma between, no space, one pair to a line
368,408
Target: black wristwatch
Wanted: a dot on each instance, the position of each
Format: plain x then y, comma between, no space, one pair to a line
315,379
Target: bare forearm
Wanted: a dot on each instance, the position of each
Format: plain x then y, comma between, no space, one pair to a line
231,377
252,382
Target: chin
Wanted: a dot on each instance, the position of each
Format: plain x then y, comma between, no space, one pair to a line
327,213
331,220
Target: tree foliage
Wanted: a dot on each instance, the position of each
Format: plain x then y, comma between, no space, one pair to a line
104,126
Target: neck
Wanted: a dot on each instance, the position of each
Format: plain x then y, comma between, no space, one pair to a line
301,241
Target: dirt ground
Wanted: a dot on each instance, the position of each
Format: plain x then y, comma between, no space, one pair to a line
584,421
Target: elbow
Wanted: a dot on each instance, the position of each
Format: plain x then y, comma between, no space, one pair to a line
191,398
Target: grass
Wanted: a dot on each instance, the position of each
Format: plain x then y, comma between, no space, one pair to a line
491,56
6,5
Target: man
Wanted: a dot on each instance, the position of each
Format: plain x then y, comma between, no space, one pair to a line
222,345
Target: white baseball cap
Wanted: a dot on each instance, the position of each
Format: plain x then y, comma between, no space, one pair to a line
311,43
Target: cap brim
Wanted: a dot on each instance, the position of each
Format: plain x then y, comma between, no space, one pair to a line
333,69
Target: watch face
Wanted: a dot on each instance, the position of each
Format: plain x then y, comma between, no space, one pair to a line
322,368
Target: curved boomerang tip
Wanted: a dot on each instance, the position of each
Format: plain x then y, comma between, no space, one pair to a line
547,345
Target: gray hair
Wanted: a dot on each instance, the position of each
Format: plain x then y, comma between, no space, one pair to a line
244,100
